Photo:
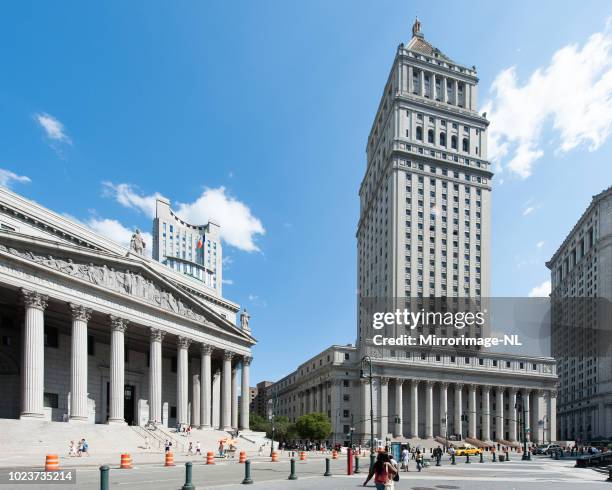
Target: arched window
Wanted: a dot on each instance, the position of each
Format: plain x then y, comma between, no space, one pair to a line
419,133
466,145
442,139
430,136
454,142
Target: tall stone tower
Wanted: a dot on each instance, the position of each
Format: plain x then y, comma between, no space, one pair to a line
424,225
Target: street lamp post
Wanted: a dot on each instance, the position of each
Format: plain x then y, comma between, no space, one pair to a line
519,399
368,360
271,407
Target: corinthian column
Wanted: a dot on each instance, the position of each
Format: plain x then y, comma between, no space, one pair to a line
384,408
245,398
397,432
499,413
155,376
486,414
235,397
444,407
195,400
472,411
182,384
205,387
552,416
414,408
117,371
512,415
458,410
526,395
33,374
226,388
429,409
78,363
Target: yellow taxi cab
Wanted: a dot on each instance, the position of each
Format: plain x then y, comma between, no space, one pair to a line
463,451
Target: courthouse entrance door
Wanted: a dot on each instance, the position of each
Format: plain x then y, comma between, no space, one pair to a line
129,403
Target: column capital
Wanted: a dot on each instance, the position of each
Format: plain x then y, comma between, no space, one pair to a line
512,390
118,324
471,386
33,299
444,385
206,349
80,312
157,335
429,383
525,391
183,342
384,380
552,393
364,381
228,355
415,382
246,360
458,386
486,388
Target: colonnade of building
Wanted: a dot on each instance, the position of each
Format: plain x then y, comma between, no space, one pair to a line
524,411
201,416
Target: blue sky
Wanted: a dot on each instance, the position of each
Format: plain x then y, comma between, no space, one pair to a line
260,111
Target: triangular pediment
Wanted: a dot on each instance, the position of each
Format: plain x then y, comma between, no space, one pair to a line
129,276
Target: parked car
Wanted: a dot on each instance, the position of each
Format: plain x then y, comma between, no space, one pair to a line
547,448
464,451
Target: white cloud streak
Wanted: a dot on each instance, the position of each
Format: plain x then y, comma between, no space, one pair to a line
574,92
239,228
543,290
114,230
8,178
53,127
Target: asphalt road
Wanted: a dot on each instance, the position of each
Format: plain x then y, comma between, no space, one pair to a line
538,474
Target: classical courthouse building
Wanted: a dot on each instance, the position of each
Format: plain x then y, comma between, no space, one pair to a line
91,331
581,296
424,232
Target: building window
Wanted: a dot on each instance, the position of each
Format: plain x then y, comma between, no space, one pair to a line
51,337
346,356
346,414
495,362
419,133
430,136
454,142
346,398
442,139
466,145
345,383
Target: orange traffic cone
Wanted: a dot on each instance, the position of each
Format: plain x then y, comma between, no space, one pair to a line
169,459
242,457
302,456
274,457
126,462
210,457
52,462
334,454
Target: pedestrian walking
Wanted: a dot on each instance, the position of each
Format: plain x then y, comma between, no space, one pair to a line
405,458
383,472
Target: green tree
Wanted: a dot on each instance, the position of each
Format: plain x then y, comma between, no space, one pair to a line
282,426
258,423
313,426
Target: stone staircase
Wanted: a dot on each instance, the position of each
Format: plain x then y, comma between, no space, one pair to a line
479,443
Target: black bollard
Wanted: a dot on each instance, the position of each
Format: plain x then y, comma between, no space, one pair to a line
188,485
327,470
247,473
467,458
292,475
609,473
481,457
356,470
557,455
453,459
437,460
104,477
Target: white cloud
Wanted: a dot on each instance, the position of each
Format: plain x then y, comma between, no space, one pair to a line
113,229
256,301
228,281
574,92
528,210
239,227
540,244
7,178
53,127
543,290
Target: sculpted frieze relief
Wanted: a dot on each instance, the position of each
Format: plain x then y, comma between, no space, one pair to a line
121,281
